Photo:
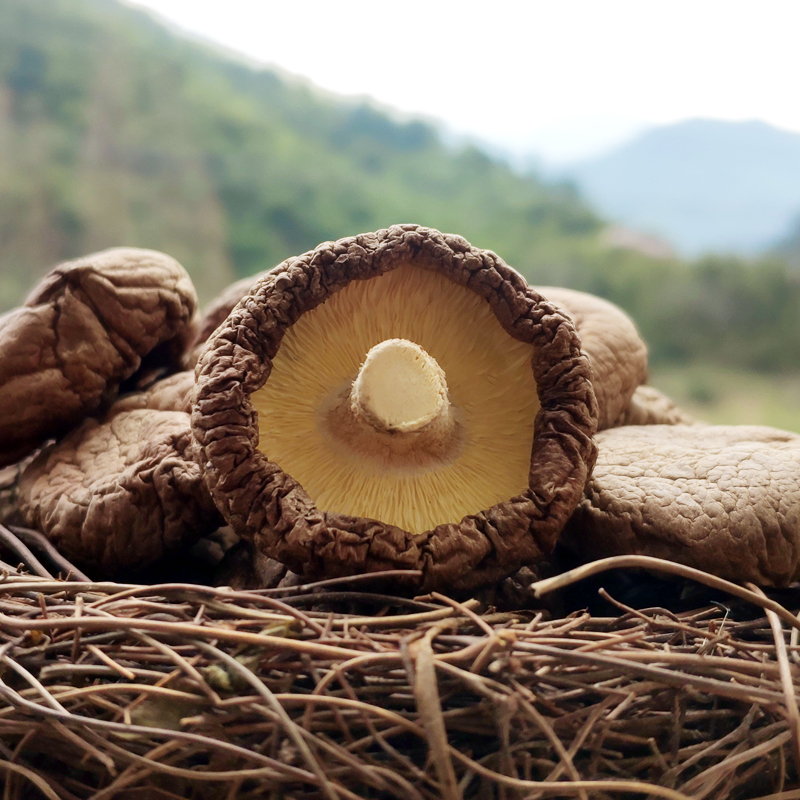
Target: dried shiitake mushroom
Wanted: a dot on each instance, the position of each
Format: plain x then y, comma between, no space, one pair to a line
84,330
648,406
396,400
216,312
725,499
121,492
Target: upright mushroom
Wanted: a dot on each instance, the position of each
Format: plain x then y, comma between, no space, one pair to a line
609,339
397,399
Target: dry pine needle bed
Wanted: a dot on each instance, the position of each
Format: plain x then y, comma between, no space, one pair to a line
182,691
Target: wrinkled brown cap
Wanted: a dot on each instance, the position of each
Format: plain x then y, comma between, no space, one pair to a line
121,493
84,330
267,506
725,499
611,342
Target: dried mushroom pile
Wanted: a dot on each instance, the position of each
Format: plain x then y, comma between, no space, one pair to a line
396,400
398,404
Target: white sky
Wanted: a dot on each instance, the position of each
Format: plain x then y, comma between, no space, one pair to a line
561,78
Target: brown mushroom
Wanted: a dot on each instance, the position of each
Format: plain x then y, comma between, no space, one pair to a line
314,447
84,330
216,312
725,499
611,342
119,493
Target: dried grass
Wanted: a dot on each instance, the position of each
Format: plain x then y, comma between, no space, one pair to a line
183,691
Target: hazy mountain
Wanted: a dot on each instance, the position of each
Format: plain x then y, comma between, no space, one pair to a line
704,185
114,130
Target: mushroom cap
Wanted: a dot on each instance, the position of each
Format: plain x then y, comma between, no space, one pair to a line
615,350
725,499
267,505
85,329
119,493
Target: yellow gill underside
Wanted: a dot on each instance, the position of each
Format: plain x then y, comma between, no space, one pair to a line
488,373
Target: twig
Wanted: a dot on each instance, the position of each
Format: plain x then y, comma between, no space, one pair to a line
430,712
38,782
786,677
17,547
540,588
36,539
288,724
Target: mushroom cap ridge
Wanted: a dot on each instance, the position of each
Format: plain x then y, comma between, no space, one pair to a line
266,505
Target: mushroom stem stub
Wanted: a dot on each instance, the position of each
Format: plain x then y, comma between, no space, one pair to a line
396,415
399,388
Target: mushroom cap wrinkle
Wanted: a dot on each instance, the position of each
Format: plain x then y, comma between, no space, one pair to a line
396,400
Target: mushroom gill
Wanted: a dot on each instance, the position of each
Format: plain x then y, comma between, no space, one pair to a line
401,399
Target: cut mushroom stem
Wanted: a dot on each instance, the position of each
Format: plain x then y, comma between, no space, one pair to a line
397,411
400,388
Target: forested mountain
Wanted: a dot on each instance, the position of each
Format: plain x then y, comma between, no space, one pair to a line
115,131
705,185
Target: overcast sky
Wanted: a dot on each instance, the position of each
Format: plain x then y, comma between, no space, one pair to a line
562,78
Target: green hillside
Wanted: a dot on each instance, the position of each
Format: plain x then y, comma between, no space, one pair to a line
114,130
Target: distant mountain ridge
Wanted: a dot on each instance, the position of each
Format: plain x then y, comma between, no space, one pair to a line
705,185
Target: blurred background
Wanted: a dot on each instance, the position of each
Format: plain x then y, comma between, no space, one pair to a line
645,152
